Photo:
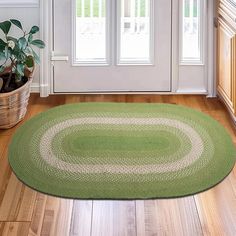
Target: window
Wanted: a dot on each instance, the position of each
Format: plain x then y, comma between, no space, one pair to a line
135,33
90,32
192,31
94,34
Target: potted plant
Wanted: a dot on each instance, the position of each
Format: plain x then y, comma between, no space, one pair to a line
17,62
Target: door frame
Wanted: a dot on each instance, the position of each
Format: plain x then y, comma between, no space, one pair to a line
46,68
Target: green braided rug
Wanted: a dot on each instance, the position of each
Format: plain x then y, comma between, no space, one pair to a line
121,151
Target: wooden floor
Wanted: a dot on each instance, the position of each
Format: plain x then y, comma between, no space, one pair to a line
26,212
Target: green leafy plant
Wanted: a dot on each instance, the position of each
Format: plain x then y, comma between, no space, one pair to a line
17,54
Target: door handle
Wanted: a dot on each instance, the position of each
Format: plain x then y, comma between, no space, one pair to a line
59,57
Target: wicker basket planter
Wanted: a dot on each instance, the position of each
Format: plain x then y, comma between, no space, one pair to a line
13,105
18,57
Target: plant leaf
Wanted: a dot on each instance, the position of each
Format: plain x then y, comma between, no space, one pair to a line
34,30
2,45
36,57
16,23
8,53
16,51
38,43
5,26
20,69
12,39
29,61
2,56
28,50
30,38
22,42
2,68
21,56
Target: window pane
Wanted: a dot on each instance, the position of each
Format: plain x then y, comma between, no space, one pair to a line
135,31
91,31
191,34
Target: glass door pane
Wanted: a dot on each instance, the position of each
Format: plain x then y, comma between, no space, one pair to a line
91,32
135,31
192,30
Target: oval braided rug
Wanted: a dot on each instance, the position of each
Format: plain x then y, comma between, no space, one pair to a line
121,151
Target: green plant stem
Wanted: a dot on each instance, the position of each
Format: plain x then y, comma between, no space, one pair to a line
8,80
10,76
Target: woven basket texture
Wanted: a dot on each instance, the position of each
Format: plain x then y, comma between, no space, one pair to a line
13,105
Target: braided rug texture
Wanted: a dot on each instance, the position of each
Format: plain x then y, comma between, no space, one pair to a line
121,151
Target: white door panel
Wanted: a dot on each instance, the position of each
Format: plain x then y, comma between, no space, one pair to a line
119,70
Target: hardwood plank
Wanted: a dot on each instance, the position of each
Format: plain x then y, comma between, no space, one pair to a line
217,210
14,228
57,217
211,104
193,102
232,178
42,104
124,218
38,215
113,218
181,100
18,201
81,218
5,173
167,217
4,141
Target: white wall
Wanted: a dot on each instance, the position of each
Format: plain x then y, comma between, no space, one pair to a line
27,11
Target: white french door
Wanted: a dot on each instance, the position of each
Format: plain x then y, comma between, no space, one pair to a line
112,46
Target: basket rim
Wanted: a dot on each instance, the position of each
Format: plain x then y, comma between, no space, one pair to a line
8,94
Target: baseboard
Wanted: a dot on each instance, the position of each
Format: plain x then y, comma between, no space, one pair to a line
192,91
34,88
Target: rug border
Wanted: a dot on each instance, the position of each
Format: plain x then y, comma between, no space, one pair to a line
123,199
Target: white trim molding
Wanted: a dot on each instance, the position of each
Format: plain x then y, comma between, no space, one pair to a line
45,55
19,3
34,88
175,47
212,35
